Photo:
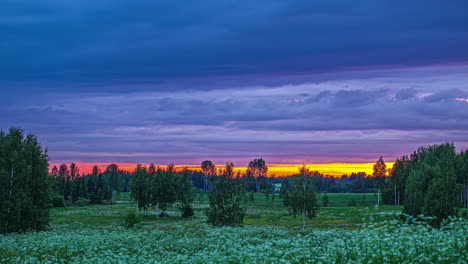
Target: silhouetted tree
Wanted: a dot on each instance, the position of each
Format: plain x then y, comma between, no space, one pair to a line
257,168
208,169
379,174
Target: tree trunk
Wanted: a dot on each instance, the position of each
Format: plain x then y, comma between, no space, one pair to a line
304,209
257,185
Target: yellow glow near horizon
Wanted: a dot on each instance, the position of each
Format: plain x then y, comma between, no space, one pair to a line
332,169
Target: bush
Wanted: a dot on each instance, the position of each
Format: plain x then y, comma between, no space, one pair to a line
57,201
130,220
82,202
352,203
187,211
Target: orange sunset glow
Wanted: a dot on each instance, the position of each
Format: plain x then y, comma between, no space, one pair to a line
332,169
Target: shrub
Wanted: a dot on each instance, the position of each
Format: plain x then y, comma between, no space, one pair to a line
82,202
130,220
187,211
57,201
352,203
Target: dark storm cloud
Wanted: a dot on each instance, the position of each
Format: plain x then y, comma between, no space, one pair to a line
58,45
114,80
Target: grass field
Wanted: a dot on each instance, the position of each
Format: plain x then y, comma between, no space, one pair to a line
259,212
339,234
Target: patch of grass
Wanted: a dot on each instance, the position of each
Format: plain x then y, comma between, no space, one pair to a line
260,212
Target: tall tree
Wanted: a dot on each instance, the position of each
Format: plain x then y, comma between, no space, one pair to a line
184,190
302,198
257,168
163,190
379,174
140,188
113,169
24,183
208,169
225,199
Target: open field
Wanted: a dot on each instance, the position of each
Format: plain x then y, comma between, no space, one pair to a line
340,234
259,212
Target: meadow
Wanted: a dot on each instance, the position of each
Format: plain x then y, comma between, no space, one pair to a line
339,234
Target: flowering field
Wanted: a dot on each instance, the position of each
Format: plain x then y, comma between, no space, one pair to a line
390,242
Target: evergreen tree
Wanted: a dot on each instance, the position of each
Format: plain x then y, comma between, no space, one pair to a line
113,169
225,200
24,183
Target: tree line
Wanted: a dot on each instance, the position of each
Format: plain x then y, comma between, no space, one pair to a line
431,181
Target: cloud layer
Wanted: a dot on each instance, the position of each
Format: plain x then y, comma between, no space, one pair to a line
343,120
290,81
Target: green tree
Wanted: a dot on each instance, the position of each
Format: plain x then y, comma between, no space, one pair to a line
140,188
302,199
24,183
225,200
325,200
163,191
379,174
185,192
257,168
432,187
284,194
113,169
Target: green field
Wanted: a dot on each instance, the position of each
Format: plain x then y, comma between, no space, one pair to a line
339,234
259,212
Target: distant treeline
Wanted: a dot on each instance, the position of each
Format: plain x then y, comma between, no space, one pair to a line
432,181
98,186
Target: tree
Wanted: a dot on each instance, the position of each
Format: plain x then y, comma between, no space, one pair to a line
208,169
184,190
431,185
257,168
139,188
302,198
379,174
113,169
225,200
163,190
24,183
325,200
284,194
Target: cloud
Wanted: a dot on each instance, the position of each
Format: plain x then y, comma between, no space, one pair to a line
78,45
352,119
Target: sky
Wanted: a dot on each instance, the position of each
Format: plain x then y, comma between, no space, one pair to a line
180,82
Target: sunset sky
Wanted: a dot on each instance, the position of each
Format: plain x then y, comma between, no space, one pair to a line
180,82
